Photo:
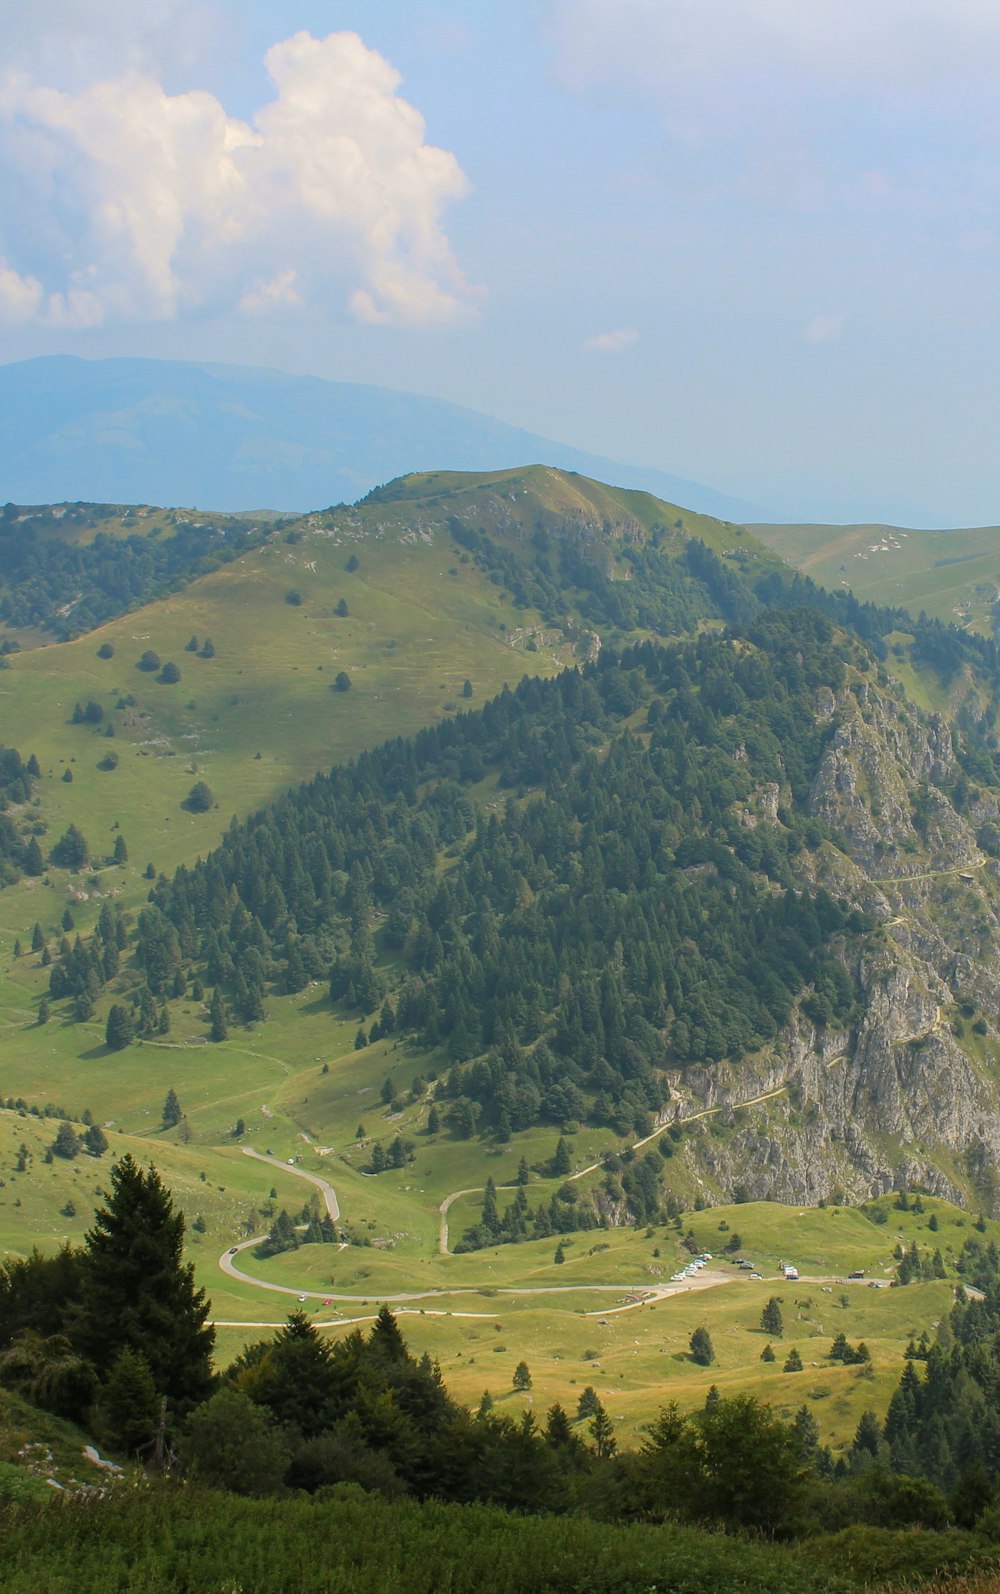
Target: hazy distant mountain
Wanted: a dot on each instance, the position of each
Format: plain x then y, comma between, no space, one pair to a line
240,437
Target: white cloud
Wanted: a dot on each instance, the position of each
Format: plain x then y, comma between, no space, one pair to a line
823,328
611,342
20,296
163,202
278,294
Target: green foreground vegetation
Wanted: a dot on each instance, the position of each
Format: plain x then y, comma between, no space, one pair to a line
165,1542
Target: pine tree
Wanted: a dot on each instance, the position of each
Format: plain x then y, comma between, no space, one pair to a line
67,1142
702,1350
217,1013
38,941
433,1122
770,1318
95,1140
172,1114
867,1435
137,1291
793,1361
121,851
522,1378
129,1404
490,1217
588,1403
561,1162
603,1433
558,1433
386,1339
120,1029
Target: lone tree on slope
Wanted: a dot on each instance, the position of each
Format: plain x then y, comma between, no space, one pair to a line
137,1292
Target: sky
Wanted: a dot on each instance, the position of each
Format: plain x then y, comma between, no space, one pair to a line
750,242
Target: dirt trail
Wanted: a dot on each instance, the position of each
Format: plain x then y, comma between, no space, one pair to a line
706,1112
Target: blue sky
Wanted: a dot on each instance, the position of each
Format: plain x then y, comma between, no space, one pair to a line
751,242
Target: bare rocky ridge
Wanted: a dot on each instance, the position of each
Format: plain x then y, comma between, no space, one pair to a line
910,1094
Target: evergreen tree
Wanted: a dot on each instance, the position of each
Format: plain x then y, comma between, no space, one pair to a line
172,1114
770,1318
120,1029
138,1293
67,1142
602,1432
385,1339
702,1350
95,1140
561,1162
558,1433
522,1377
793,1361
121,851
490,1217
867,1435
588,1404
217,1014
129,1405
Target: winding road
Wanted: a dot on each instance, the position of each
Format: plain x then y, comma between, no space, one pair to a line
630,1296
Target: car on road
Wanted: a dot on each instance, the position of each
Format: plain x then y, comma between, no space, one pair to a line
301,1297
233,1250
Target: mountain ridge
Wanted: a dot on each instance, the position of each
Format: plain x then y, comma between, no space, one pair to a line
231,437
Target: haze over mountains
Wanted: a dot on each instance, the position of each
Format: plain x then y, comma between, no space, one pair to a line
231,437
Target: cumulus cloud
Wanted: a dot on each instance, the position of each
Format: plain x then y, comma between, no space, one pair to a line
20,296
611,342
163,203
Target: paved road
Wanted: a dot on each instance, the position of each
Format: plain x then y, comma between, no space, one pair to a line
329,1194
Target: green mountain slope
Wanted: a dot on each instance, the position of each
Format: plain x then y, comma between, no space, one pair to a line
953,575
735,898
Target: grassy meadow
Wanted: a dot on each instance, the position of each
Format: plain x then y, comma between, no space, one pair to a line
952,575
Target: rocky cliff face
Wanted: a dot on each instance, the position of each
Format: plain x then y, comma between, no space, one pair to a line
910,1093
